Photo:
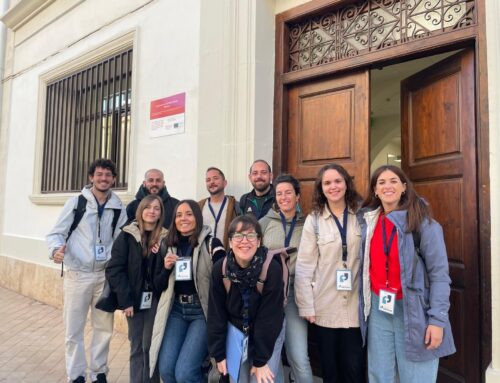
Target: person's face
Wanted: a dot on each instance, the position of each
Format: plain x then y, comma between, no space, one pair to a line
244,249
214,182
185,221
102,179
334,186
389,189
260,176
154,182
152,212
286,198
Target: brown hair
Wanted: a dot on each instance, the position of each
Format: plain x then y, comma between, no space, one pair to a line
352,197
248,221
418,209
173,235
154,237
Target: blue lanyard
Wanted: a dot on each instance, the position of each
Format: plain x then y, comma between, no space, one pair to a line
245,295
188,253
387,247
288,237
343,232
217,218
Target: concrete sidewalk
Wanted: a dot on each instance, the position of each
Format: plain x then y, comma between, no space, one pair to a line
32,343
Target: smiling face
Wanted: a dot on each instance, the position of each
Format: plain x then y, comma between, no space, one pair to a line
102,179
215,182
151,214
334,187
260,177
245,249
185,221
154,181
389,189
286,198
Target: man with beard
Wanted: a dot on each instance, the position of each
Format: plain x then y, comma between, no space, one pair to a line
154,183
82,238
261,198
218,209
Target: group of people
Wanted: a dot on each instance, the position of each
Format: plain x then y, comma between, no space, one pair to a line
240,281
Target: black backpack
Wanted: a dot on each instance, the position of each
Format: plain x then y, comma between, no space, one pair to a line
79,210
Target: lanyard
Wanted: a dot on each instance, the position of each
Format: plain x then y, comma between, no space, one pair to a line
245,295
387,248
217,218
342,231
288,237
188,252
100,212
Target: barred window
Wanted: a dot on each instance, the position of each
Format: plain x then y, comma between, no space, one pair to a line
87,116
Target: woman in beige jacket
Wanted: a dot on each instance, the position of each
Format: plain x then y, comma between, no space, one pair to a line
327,275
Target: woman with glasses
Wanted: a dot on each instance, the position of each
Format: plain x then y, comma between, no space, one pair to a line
282,227
327,275
179,344
246,307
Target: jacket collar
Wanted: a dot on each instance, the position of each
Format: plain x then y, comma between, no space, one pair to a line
275,215
143,192
133,230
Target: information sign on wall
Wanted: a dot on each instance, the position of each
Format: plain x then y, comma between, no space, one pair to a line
167,115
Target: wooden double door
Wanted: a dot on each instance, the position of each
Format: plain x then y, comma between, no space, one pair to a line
329,121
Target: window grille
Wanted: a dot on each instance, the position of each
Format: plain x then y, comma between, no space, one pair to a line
87,116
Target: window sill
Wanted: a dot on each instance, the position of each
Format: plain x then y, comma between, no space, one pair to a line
59,199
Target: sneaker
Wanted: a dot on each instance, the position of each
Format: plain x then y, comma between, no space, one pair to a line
80,379
101,378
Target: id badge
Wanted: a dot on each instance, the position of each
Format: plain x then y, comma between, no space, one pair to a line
100,253
387,299
183,269
244,353
146,299
344,280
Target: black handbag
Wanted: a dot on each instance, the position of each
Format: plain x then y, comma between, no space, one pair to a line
108,300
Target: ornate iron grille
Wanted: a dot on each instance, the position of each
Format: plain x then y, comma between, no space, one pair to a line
373,25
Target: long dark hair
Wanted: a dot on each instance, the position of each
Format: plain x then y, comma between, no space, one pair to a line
352,197
173,236
418,209
148,241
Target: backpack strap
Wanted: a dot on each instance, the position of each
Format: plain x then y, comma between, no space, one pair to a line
418,255
283,258
116,217
225,279
78,213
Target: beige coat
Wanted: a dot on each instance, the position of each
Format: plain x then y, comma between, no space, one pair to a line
318,259
202,268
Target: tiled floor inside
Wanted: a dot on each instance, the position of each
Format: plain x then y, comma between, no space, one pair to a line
32,343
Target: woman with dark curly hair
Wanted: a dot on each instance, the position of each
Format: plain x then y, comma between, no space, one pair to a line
327,275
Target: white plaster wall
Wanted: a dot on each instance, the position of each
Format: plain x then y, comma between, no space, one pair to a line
284,5
493,49
166,62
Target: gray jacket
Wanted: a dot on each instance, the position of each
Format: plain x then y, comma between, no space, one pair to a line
79,255
422,305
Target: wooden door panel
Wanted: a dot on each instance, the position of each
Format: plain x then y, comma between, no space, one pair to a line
439,155
328,121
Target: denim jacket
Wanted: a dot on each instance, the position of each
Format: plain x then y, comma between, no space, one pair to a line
422,305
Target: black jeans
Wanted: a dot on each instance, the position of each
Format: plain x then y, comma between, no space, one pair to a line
140,331
343,359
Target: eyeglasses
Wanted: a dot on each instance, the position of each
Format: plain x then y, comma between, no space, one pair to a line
238,237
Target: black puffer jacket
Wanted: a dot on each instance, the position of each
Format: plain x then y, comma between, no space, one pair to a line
168,203
127,268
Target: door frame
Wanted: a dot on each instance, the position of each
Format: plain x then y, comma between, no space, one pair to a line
474,36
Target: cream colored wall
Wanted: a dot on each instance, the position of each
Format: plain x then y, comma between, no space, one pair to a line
493,49
284,5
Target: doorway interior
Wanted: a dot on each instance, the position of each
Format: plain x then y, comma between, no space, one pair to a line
385,108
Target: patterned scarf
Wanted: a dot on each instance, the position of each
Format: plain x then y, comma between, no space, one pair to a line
245,278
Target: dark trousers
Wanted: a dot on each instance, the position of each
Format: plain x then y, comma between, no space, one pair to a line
140,331
343,359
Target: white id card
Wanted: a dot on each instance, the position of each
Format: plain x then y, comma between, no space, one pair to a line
387,299
183,269
344,280
244,354
146,298
100,253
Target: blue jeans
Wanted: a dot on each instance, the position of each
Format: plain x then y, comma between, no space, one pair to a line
296,342
274,363
387,351
184,345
